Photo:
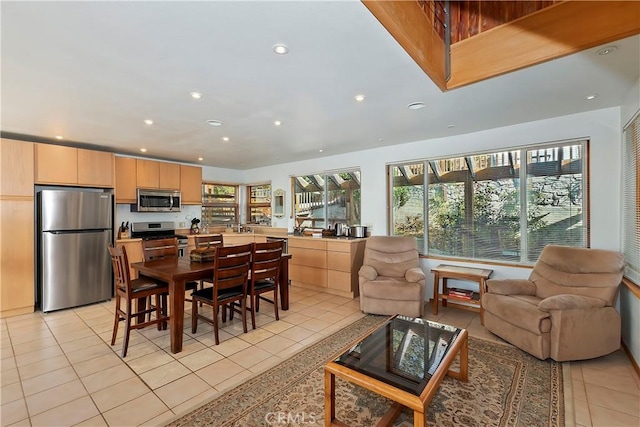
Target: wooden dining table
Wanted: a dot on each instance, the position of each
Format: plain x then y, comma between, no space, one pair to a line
176,272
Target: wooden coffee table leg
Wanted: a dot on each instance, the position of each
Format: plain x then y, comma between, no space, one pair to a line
419,419
463,373
329,398
464,361
390,416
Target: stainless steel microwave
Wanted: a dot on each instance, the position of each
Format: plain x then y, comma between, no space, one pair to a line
158,201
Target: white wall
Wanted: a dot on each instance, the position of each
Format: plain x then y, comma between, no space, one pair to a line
629,303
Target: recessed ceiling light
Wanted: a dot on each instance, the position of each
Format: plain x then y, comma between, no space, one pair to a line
200,159
59,137
148,122
380,139
144,150
606,50
416,105
214,122
277,123
280,49
451,126
196,95
225,138
320,150
591,97
359,98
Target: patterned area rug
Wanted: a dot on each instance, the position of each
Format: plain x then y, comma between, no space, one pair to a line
506,387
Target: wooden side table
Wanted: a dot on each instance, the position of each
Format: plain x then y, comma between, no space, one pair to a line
445,272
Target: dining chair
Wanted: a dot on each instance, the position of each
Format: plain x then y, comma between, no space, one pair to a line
161,249
230,283
265,273
204,242
134,290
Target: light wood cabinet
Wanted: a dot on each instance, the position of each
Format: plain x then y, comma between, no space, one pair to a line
16,176
147,174
308,265
17,290
229,239
132,174
169,176
326,264
125,180
56,164
191,184
17,295
344,259
95,168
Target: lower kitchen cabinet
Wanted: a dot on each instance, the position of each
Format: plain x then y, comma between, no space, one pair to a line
17,293
326,264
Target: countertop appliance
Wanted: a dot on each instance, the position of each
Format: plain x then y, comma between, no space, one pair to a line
358,231
74,228
159,230
158,201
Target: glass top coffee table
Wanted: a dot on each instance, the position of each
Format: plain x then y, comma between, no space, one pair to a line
405,360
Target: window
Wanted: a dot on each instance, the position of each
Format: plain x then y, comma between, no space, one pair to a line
259,204
407,201
488,206
322,200
219,204
631,200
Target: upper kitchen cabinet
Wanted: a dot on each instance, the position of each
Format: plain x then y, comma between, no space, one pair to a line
147,174
191,184
169,176
57,164
140,173
16,159
95,168
125,180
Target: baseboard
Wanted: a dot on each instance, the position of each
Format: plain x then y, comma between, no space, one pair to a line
634,362
15,312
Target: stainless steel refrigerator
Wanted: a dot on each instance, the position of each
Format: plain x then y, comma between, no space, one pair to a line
74,230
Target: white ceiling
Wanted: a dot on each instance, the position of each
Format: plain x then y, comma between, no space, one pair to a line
94,71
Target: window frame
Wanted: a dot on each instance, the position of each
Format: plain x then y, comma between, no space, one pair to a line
234,204
630,199
522,188
251,205
326,178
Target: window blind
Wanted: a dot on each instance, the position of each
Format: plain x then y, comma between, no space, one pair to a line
631,200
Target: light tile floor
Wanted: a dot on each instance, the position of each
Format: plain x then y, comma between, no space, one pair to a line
59,369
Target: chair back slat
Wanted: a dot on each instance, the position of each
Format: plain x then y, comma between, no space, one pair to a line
266,260
231,267
159,249
203,242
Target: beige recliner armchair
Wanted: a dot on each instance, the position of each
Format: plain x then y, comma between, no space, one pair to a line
565,310
391,281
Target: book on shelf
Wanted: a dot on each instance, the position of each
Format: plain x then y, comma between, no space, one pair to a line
461,293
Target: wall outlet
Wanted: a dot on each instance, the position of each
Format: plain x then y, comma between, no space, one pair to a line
182,224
